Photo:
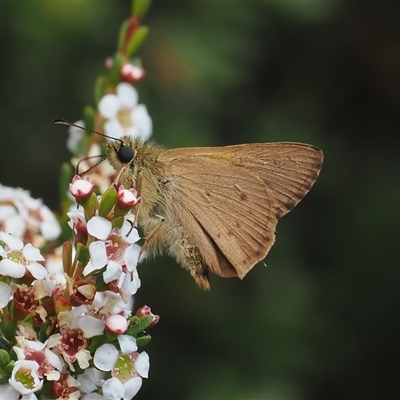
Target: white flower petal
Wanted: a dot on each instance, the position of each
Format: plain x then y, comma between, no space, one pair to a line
49,228
126,229
5,295
15,225
142,122
112,272
90,380
113,389
132,387
75,134
109,106
83,357
29,396
130,285
37,270
7,211
32,253
87,385
8,392
142,364
11,268
91,326
127,344
37,346
105,357
127,95
113,128
79,311
11,241
99,227
98,254
53,359
54,340
131,257
92,396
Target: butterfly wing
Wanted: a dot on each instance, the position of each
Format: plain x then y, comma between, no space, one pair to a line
234,196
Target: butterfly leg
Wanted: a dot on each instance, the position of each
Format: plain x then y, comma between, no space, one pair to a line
153,236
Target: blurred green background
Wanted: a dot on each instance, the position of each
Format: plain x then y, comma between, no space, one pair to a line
321,321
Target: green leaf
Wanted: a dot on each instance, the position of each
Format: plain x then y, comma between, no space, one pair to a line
82,253
140,7
143,340
4,359
89,116
4,379
108,201
115,71
4,344
47,390
13,355
117,222
10,367
66,173
137,40
139,324
96,342
99,89
122,34
9,330
89,206
42,335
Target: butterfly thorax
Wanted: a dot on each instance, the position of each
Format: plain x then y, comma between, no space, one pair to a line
145,174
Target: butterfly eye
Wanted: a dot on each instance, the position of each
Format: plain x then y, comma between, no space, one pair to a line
126,154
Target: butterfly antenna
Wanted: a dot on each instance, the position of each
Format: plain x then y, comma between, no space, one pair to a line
60,121
93,166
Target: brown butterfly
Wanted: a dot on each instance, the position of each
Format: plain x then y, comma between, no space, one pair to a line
214,208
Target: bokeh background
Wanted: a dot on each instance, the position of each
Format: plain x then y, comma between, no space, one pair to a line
321,319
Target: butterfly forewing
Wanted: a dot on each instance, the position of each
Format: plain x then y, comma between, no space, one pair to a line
236,194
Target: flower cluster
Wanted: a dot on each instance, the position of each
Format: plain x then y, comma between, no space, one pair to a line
26,218
67,328
67,325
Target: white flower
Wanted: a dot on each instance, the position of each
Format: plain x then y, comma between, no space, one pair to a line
90,380
5,294
125,117
75,135
130,235
55,270
49,363
76,217
127,368
99,227
17,258
105,357
116,253
24,378
9,393
21,215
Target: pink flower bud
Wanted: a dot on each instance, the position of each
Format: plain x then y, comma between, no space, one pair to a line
146,310
116,323
127,198
132,73
81,188
109,63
